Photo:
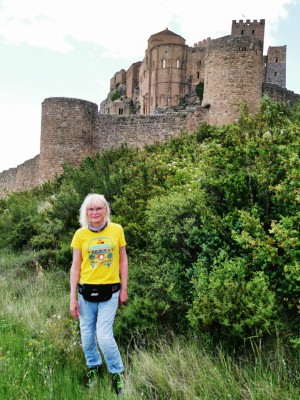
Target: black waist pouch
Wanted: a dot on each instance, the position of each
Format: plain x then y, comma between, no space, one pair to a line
98,293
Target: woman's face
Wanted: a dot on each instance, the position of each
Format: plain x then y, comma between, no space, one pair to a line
96,214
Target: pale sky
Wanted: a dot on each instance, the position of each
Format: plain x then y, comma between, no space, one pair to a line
72,48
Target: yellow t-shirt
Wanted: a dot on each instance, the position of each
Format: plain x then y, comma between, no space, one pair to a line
100,253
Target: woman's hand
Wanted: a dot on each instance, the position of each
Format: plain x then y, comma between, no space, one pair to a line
123,296
74,308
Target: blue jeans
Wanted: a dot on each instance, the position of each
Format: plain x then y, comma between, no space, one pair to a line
96,325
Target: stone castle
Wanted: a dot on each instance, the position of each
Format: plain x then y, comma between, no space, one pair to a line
175,87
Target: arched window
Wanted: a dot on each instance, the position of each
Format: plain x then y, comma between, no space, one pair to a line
164,63
177,64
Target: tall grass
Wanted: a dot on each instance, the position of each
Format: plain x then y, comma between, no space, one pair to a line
41,357
183,370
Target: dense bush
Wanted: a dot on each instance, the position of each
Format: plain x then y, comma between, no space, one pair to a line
211,220
232,302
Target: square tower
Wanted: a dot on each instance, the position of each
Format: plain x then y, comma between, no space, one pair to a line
255,29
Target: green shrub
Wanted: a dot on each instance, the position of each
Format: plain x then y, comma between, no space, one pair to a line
116,94
232,302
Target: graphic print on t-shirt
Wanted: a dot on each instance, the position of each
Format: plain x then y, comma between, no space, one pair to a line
100,251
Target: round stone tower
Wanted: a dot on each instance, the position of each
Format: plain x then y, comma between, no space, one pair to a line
234,72
67,131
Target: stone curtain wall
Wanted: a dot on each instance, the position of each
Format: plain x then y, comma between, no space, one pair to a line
139,131
279,94
22,177
72,129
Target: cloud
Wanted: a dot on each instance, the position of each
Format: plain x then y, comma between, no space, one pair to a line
121,29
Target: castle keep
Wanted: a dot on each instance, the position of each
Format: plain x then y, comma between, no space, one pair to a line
175,87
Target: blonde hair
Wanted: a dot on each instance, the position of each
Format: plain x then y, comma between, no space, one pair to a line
96,200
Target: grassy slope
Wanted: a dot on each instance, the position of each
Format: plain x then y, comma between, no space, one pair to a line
41,358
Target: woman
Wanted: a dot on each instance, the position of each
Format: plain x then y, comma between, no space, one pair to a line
99,274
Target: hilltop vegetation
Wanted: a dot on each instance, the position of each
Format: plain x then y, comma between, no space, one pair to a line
212,227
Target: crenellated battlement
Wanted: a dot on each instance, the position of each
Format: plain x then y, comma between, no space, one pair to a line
247,28
203,43
249,22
